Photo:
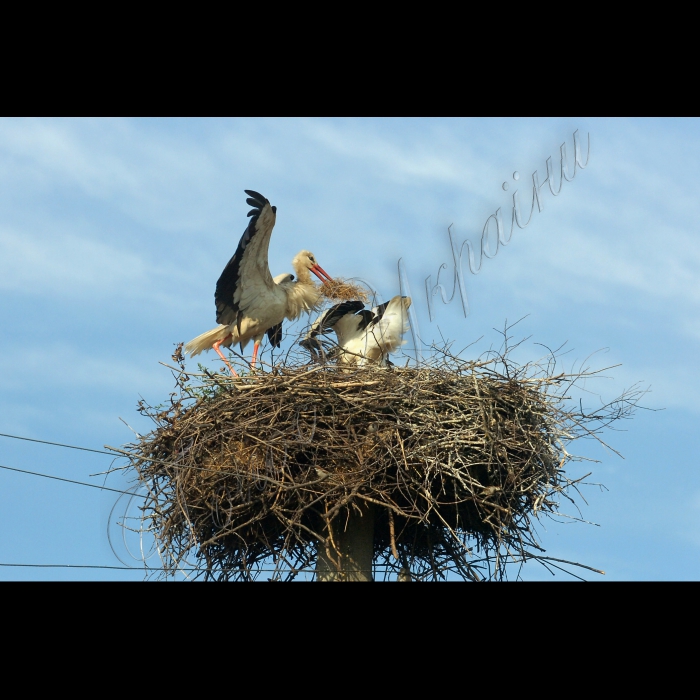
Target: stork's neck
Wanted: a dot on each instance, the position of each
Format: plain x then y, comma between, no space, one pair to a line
303,274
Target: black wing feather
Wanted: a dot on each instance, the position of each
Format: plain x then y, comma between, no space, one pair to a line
367,318
257,198
381,309
335,313
326,321
372,318
274,335
227,311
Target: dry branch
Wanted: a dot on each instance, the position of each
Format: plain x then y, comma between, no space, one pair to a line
458,458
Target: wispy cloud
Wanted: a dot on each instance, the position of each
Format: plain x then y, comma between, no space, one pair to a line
114,231
63,262
60,364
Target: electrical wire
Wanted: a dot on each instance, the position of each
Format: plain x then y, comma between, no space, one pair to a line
57,444
131,493
145,569
121,453
70,481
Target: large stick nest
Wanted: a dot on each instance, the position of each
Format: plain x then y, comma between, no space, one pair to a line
458,460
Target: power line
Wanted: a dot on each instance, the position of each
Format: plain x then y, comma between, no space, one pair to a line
122,454
144,569
70,481
57,444
377,571
100,566
151,569
78,566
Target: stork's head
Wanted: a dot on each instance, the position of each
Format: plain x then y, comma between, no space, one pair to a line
306,260
284,278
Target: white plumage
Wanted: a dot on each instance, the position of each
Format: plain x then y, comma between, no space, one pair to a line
363,336
249,302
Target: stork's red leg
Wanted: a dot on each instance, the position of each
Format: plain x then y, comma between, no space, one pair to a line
255,354
216,347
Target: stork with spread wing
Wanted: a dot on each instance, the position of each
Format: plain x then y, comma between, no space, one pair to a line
363,336
249,302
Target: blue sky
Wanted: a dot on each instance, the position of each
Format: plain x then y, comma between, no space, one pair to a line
113,233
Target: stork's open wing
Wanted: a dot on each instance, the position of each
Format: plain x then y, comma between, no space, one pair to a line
371,318
247,272
328,320
390,324
330,317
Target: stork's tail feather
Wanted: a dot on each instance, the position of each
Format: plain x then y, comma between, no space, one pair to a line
207,340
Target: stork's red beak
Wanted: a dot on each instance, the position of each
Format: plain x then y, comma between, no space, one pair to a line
321,273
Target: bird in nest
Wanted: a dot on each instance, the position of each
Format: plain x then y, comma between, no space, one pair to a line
249,301
363,336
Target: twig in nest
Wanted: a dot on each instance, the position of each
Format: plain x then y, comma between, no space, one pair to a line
455,456
342,290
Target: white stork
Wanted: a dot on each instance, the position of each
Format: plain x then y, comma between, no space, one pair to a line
363,336
249,302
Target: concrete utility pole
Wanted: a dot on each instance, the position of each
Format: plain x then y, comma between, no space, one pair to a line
354,538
